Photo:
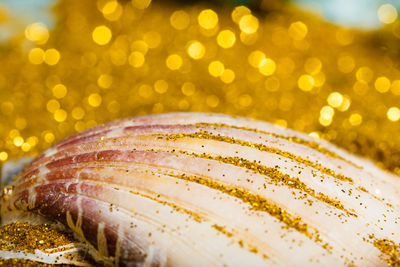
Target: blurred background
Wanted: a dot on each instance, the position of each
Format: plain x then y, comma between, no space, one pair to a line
327,68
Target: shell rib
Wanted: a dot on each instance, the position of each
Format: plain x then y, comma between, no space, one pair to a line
205,189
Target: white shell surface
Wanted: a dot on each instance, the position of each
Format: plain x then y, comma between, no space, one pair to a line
200,189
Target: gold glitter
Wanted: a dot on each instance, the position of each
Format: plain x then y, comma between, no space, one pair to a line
222,230
14,237
27,263
195,216
389,249
275,175
257,202
294,139
366,122
296,42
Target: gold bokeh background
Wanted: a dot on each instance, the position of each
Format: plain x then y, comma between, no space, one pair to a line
106,60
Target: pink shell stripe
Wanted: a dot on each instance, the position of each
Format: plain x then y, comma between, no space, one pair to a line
206,189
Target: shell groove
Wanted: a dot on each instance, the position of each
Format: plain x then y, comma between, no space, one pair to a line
207,189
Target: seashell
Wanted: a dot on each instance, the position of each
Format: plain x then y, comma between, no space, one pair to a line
200,189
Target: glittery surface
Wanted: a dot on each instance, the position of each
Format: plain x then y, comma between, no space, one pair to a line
106,60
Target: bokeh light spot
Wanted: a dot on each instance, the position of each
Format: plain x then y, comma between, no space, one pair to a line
179,20
387,13
94,100
59,91
174,62
208,19
60,115
267,67
382,84
239,12
255,58
51,56
335,99
306,82
355,119
228,76
37,32
226,39
216,68
101,35
136,59
141,4
393,114
196,50
248,24
36,56
105,81
298,30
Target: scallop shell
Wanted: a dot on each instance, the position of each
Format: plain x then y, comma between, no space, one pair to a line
187,189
